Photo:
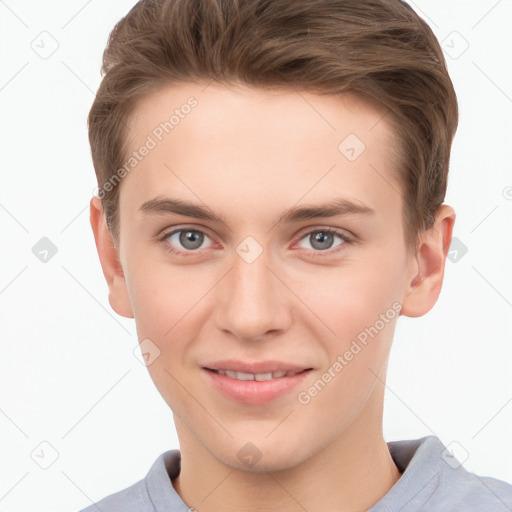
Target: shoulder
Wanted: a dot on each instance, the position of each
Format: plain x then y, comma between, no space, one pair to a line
459,489
134,498
434,480
154,492
455,489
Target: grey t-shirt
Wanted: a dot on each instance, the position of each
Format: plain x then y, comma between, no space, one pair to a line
432,481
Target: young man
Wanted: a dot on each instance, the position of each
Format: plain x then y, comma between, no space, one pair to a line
271,181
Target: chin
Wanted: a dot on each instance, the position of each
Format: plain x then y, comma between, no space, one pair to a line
260,457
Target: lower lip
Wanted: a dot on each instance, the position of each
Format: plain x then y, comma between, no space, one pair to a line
255,392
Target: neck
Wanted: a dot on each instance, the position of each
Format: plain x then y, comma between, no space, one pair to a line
350,474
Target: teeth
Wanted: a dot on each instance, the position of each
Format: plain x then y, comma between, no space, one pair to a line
280,373
263,376
255,376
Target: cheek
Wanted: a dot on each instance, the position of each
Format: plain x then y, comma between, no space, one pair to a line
171,306
163,295
166,302
348,298
360,307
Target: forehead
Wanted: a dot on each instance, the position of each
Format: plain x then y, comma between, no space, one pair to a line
221,109
244,144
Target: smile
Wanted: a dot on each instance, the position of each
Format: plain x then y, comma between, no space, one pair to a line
254,388
254,376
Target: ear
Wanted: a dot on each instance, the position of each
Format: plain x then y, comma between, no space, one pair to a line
118,296
427,268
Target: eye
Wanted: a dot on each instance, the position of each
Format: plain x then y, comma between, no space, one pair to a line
323,239
186,238
189,241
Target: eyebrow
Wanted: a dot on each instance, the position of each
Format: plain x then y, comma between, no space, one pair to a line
337,207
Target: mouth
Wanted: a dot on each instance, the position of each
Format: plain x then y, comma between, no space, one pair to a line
260,377
254,384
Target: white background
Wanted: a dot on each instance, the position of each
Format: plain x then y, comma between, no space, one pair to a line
68,374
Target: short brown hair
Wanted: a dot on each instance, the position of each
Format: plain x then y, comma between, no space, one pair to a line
379,48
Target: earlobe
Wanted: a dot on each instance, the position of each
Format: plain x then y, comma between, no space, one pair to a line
112,270
426,281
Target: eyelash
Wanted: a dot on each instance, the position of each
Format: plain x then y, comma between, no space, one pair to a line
328,252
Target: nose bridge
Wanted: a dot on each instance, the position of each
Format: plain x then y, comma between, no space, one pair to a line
250,302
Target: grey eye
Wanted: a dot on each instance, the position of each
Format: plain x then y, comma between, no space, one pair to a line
189,239
322,240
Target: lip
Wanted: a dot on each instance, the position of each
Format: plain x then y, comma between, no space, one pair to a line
253,392
255,367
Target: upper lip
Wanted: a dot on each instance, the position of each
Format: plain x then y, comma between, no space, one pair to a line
256,366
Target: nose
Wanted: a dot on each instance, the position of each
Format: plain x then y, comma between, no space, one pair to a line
252,302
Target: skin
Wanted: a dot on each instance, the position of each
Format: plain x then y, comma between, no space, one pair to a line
249,155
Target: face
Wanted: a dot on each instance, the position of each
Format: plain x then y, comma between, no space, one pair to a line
263,232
